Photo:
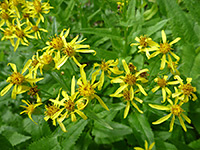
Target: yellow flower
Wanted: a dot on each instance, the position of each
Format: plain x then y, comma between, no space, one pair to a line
36,30
106,67
5,17
37,9
145,44
53,112
71,48
186,90
4,5
162,83
71,105
165,49
130,79
145,146
87,88
21,35
8,34
44,61
18,80
175,110
29,108
128,96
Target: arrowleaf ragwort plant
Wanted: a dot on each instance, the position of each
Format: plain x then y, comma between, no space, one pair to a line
78,100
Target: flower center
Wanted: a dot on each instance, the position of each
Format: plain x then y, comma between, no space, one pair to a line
143,41
69,105
17,78
51,110
86,90
35,28
46,59
37,6
33,91
130,79
5,16
69,51
187,89
126,95
4,6
104,66
57,43
161,82
165,48
19,33
176,110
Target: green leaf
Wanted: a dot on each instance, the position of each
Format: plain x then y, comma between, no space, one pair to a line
36,131
107,136
73,133
141,127
68,10
93,116
158,26
102,32
17,138
164,145
195,144
46,143
5,144
194,9
195,120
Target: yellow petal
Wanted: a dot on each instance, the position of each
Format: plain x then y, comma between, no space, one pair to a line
163,61
101,81
137,39
164,38
189,80
172,123
126,109
125,66
155,89
141,71
16,44
131,93
173,82
83,75
141,89
174,41
117,80
73,86
61,125
86,51
67,33
120,89
175,56
182,123
13,95
138,100
134,105
151,146
26,66
186,118
161,120
138,148
34,80
159,107
65,95
164,95
76,61
81,114
134,44
146,145
73,117
101,101
116,70
6,89
13,66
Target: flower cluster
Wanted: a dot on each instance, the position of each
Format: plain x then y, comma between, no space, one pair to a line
182,92
20,19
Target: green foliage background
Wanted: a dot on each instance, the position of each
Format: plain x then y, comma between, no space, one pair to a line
109,32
